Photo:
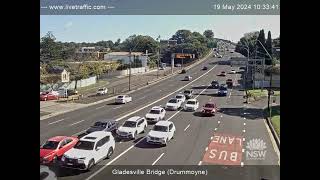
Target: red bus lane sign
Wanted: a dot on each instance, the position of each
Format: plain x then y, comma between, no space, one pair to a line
224,149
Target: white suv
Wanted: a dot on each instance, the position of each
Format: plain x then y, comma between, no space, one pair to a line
191,105
174,104
182,97
89,150
132,127
123,99
156,114
162,132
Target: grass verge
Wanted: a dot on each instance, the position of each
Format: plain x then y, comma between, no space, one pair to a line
275,118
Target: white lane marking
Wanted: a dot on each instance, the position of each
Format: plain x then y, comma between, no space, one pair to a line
243,150
100,107
221,116
211,137
218,122
206,148
244,130
186,127
157,159
76,123
244,117
243,139
215,129
55,121
242,164
117,107
200,162
273,142
244,124
102,168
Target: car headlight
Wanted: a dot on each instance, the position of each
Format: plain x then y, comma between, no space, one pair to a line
81,160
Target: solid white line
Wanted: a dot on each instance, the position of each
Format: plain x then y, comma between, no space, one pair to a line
56,121
244,124
117,107
186,127
221,116
242,164
211,137
243,139
230,94
207,148
100,107
157,159
273,142
200,162
120,142
76,123
242,150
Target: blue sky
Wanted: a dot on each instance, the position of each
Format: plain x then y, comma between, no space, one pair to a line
95,28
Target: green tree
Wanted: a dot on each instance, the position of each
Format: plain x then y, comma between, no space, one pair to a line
140,43
269,46
49,48
208,34
260,52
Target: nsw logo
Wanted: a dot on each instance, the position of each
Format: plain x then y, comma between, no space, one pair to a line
256,149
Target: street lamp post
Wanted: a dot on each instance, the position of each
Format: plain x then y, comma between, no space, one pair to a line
182,59
130,70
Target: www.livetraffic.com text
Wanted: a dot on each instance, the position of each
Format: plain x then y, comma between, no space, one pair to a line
79,7
158,172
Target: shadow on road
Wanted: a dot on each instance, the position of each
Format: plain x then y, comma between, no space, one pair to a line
248,113
144,145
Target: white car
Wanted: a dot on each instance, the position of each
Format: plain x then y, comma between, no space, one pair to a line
174,104
89,150
123,99
233,71
102,91
181,97
162,133
191,105
156,114
132,127
187,78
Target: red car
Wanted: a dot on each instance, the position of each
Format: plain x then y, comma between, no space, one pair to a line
48,96
55,147
209,108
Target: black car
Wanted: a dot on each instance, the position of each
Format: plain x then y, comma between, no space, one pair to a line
205,68
188,93
215,84
183,71
106,125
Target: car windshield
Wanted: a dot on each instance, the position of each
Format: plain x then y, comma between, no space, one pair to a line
179,97
214,82
120,97
191,102
209,106
187,92
154,111
84,145
50,145
99,124
160,128
129,124
223,88
101,89
173,101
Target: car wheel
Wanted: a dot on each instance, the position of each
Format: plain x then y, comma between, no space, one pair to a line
90,165
110,152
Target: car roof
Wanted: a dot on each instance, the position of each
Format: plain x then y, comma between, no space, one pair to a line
134,118
179,94
192,100
210,102
156,108
96,136
57,138
163,123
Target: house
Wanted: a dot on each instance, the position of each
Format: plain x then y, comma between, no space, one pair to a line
124,57
63,74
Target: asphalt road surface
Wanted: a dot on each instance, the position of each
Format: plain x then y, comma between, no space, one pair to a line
236,135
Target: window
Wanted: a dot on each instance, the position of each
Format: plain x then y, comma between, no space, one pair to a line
170,127
68,141
103,141
140,122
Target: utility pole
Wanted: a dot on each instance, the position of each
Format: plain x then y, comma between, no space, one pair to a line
158,57
130,70
182,59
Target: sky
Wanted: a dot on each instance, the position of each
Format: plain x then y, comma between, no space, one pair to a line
81,28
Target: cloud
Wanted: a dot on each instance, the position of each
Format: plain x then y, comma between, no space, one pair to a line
68,25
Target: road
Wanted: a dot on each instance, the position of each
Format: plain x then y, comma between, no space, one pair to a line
218,140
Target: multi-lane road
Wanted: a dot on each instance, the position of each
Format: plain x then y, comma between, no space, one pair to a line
236,135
